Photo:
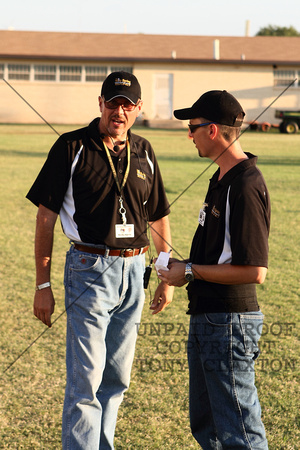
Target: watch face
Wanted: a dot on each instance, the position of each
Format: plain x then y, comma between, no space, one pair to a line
189,276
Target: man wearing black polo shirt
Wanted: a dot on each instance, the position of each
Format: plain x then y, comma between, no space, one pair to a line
104,183
229,256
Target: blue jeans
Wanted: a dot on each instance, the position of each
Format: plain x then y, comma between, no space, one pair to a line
224,407
104,302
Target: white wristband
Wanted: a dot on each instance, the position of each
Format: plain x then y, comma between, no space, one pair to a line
43,286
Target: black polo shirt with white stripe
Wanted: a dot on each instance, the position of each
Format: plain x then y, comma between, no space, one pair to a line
235,231
77,183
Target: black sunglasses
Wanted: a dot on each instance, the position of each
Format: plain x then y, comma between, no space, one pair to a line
126,105
193,127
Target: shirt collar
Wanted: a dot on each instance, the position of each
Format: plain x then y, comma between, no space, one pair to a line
236,170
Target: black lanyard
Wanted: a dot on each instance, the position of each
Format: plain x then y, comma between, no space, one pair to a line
122,210
120,188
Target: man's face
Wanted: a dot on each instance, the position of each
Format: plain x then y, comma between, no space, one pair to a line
199,134
116,119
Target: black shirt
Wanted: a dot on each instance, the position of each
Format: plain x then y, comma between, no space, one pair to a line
235,231
76,182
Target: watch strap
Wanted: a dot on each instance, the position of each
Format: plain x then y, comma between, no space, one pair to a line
189,276
39,287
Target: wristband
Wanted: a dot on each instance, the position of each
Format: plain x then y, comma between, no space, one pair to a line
43,286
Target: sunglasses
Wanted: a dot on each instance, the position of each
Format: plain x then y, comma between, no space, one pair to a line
193,127
126,105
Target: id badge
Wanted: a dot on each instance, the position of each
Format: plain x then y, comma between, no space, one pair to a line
124,231
202,215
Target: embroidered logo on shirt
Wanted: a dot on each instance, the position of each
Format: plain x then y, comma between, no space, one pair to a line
215,212
140,174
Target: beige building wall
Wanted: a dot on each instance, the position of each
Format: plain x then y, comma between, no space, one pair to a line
251,85
77,103
56,103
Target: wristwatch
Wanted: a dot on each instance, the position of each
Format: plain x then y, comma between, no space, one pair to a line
188,274
39,287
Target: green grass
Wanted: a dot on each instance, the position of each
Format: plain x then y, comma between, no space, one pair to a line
154,414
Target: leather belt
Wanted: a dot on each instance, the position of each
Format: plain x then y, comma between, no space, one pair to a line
125,253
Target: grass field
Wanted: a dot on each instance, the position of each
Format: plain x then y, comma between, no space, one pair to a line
154,414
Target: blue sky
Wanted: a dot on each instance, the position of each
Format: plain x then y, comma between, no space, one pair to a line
192,17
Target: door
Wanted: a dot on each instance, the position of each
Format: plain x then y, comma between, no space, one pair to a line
163,96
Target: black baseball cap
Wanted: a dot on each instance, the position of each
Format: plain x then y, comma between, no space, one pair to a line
217,106
121,84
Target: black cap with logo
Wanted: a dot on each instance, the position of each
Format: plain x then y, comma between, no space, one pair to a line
121,84
218,106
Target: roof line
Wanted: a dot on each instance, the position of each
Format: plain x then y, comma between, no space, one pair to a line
136,59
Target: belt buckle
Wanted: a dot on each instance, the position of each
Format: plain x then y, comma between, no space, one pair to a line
129,251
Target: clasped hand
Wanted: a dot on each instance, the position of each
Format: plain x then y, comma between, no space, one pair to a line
175,275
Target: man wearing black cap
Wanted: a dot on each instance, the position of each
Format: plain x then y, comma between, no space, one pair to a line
104,183
229,255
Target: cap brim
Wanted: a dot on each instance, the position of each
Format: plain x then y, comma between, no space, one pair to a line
183,114
133,99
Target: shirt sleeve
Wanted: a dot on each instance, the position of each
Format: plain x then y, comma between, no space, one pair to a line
157,204
250,222
51,183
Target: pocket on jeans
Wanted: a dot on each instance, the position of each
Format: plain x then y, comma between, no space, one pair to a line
83,262
251,328
218,319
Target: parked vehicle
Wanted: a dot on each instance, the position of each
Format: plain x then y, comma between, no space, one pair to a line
290,121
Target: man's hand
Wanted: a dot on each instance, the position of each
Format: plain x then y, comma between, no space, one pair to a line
162,297
43,306
175,275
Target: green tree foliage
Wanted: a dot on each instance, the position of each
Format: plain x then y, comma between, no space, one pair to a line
272,30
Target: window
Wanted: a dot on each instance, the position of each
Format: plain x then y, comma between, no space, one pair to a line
95,73
70,73
44,73
119,68
18,71
283,78
59,73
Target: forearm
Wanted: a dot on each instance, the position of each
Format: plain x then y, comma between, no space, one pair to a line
218,273
43,305
45,223
230,274
161,234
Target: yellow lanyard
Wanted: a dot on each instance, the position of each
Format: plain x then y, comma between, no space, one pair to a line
120,188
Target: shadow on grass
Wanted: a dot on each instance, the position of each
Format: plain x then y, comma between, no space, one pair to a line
23,154
184,158
278,161
261,160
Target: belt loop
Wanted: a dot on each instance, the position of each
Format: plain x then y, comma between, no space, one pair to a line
141,250
122,251
106,254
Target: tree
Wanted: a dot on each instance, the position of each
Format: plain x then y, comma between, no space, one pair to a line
272,30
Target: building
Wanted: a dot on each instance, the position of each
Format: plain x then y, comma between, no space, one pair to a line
60,74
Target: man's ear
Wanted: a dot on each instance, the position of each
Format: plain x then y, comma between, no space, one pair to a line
213,131
100,100
139,107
